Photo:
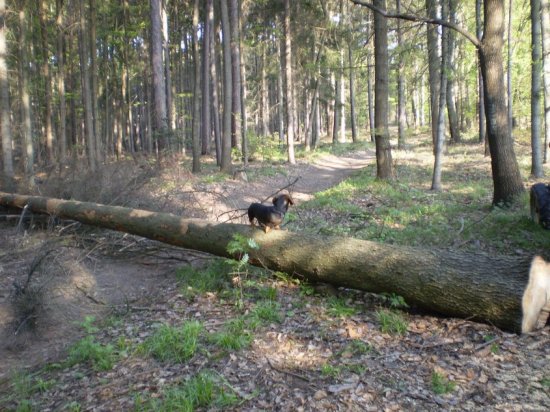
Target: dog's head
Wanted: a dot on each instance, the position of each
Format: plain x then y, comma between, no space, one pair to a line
282,202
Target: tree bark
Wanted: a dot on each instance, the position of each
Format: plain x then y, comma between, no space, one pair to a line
545,28
7,152
226,165
206,96
86,89
196,91
384,166
481,98
536,91
160,116
433,67
450,76
401,103
288,84
508,292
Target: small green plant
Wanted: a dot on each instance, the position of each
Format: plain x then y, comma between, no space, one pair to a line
395,301
204,391
266,311
240,247
330,370
88,325
87,350
176,344
392,322
545,382
212,278
268,293
234,336
358,347
337,307
441,385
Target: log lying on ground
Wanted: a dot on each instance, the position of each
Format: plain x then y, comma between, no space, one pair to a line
512,293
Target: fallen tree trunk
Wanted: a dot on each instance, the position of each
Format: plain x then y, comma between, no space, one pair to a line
511,293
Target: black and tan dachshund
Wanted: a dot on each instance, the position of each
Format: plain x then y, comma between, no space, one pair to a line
270,217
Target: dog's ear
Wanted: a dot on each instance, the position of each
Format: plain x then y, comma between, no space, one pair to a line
289,199
275,199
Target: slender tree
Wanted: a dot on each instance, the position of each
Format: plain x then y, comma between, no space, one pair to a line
401,103
384,166
450,75
536,68
545,29
481,98
42,8
226,165
206,129
433,67
26,116
289,83
160,116
196,91
84,53
7,153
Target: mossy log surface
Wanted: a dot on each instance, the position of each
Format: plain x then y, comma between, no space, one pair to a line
492,289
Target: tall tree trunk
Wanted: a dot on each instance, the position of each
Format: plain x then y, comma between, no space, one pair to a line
170,118
288,83
507,181
506,291
206,129
280,92
384,166
509,71
61,81
353,115
215,107
481,98
46,77
440,137
7,152
401,103
160,117
433,67
454,126
196,91
236,108
86,88
545,26
94,81
536,68
264,93
226,165
26,116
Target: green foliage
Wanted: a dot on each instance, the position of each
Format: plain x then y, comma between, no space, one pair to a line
234,336
266,311
331,371
440,385
395,301
176,344
391,322
212,278
204,391
87,350
358,347
338,307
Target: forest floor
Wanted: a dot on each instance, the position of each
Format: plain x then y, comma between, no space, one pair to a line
316,348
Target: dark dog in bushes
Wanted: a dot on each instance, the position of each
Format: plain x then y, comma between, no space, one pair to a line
270,217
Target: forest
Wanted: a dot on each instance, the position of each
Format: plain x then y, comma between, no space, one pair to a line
411,272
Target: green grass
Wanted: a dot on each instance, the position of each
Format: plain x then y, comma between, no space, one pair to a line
234,336
100,357
174,343
212,278
266,312
338,307
392,322
440,385
203,391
